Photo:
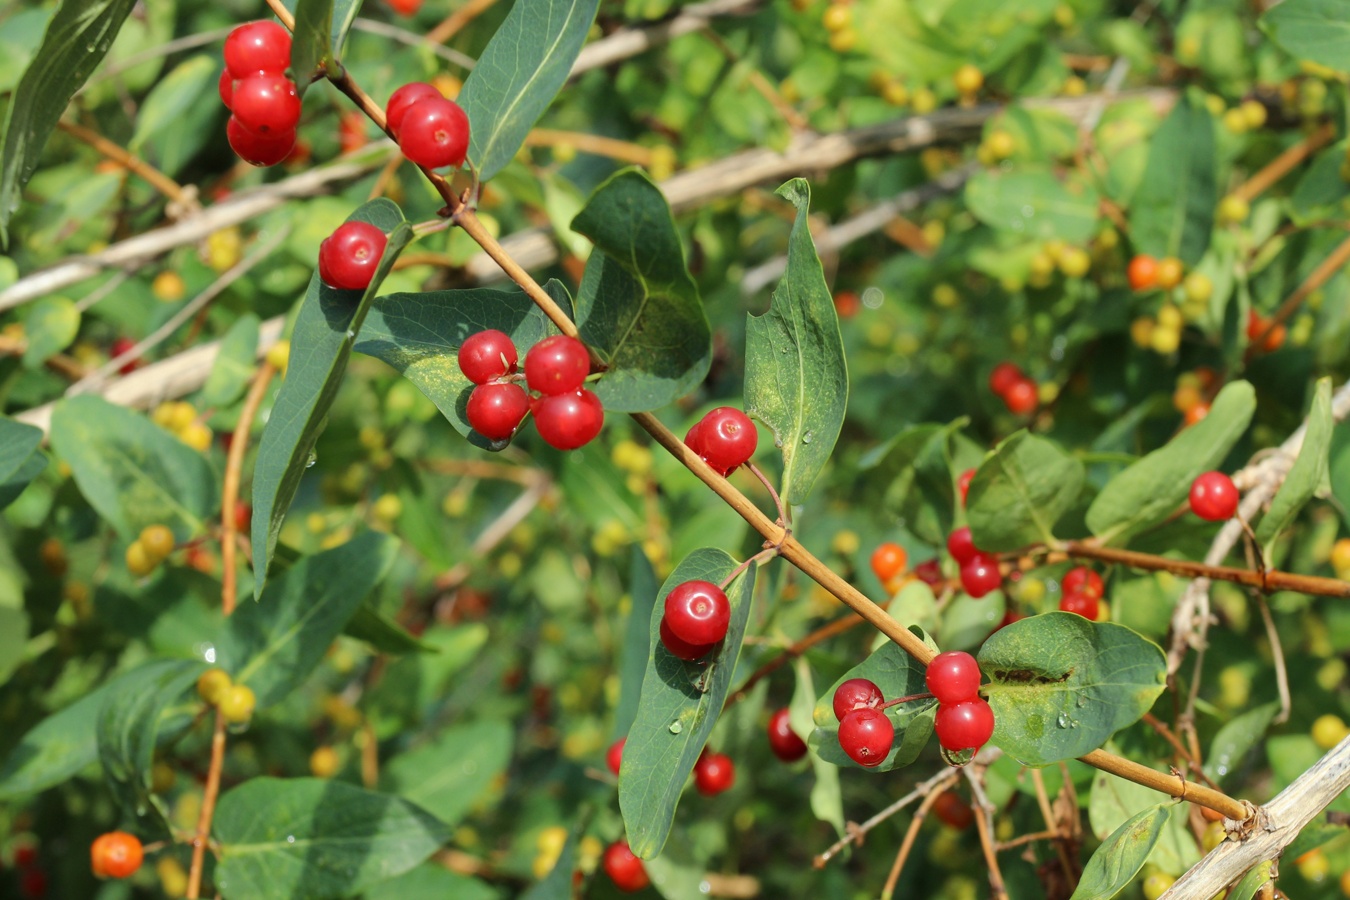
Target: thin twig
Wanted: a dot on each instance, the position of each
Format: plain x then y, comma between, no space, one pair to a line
1277,652
451,24
234,466
858,832
612,148
203,833
496,532
912,832
1319,276
185,198
984,823
1285,163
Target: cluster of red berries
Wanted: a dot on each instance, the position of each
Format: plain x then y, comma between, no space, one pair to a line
116,855
350,255
964,720
695,619
1214,497
566,414
979,570
431,130
1011,384
1083,591
725,438
865,732
263,102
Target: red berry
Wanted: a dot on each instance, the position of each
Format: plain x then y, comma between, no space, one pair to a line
614,756
225,86
1003,377
1010,616
349,256
856,693
963,484
401,100
257,47
682,649
698,612
1081,578
1079,602
25,856
266,104
125,345
405,7
728,438
786,744
352,130
33,884
693,438
847,304
1021,397
557,365
568,421
888,561
866,735
258,149
980,575
496,410
1142,272
243,516
116,855
960,546
625,869
714,773
929,572
1214,497
487,355
434,132
964,726
952,810
953,677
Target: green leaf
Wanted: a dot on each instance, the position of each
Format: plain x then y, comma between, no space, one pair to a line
680,704
1310,474
1236,739
827,801
321,344
235,364
191,82
420,334
796,380
73,45
13,640
450,775
1062,685
1113,801
59,746
128,731
1035,203
131,471
637,304
1316,30
311,42
50,326
1256,876
636,646
1020,491
431,881
20,459
1151,489
1122,855
915,471
274,644
309,839
383,634
518,74
1172,213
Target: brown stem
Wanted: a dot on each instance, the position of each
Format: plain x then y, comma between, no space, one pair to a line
1023,839
200,839
472,226
856,833
1316,278
613,148
1285,163
824,633
234,465
1172,785
1168,735
984,823
1048,815
452,23
133,163
908,843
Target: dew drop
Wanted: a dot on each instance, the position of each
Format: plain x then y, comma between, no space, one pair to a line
1062,720
313,458
1082,701
806,438
290,839
676,727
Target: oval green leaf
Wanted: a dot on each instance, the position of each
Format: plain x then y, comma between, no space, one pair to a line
455,771
1316,30
1172,213
1020,491
1308,477
20,459
1121,855
1035,203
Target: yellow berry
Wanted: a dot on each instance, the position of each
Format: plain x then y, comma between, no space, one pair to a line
1313,866
1064,15
1031,590
945,296
448,85
197,436
181,415
1329,730
388,508
1001,144
551,840
224,248
845,542
1340,555
168,286
923,100
1214,836
968,79
1165,340
1233,210
53,555
236,703
162,777
844,40
662,162
564,152
1345,883
1042,265
279,355
1186,397
173,879
139,562
837,17
895,93
323,762
212,685
1075,262
1197,287
157,541
1141,332
1170,270
1074,87
1254,111
588,852
1235,121
1156,884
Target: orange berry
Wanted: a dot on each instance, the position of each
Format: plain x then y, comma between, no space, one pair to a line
116,855
1196,413
1169,272
1142,272
889,560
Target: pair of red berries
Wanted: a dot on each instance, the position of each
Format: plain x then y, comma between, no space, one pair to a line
865,731
431,130
566,414
263,102
1214,497
1083,591
725,438
979,570
695,619
964,720
1018,392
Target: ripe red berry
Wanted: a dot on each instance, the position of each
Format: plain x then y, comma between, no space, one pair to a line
866,735
929,572
266,104
225,86
1214,497
693,438
125,345
960,546
856,693
1142,272
964,726
954,811
1021,398
349,256
569,421
496,410
682,649
487,355
728,438
401,100
698,612
888,561
625,869
1003,377
1079,602
614,756
434,132
405,7
786,744
1083,580
557,365
25,856
953,677
980,575
963,484
257,47
714,773
243,517
258,149
116,855
33,884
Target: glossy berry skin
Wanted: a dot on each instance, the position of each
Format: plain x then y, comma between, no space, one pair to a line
1214,497
1142,272
682,649
953,811
728,438
698,612
349,256
1005,374
614,755
557,365
953,677
693,438
257,47
786,744
487,355
929,572
258,149
866,735
496,410
1081,603
888,561
980,575
623,868
714,773
266,104
960,546
856,693
225,87
116,855
237,703
401,100
963,484
569,421
1021,397
434,132
964,726
1081,579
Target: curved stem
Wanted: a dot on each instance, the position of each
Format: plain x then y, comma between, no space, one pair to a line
234,465
203,833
